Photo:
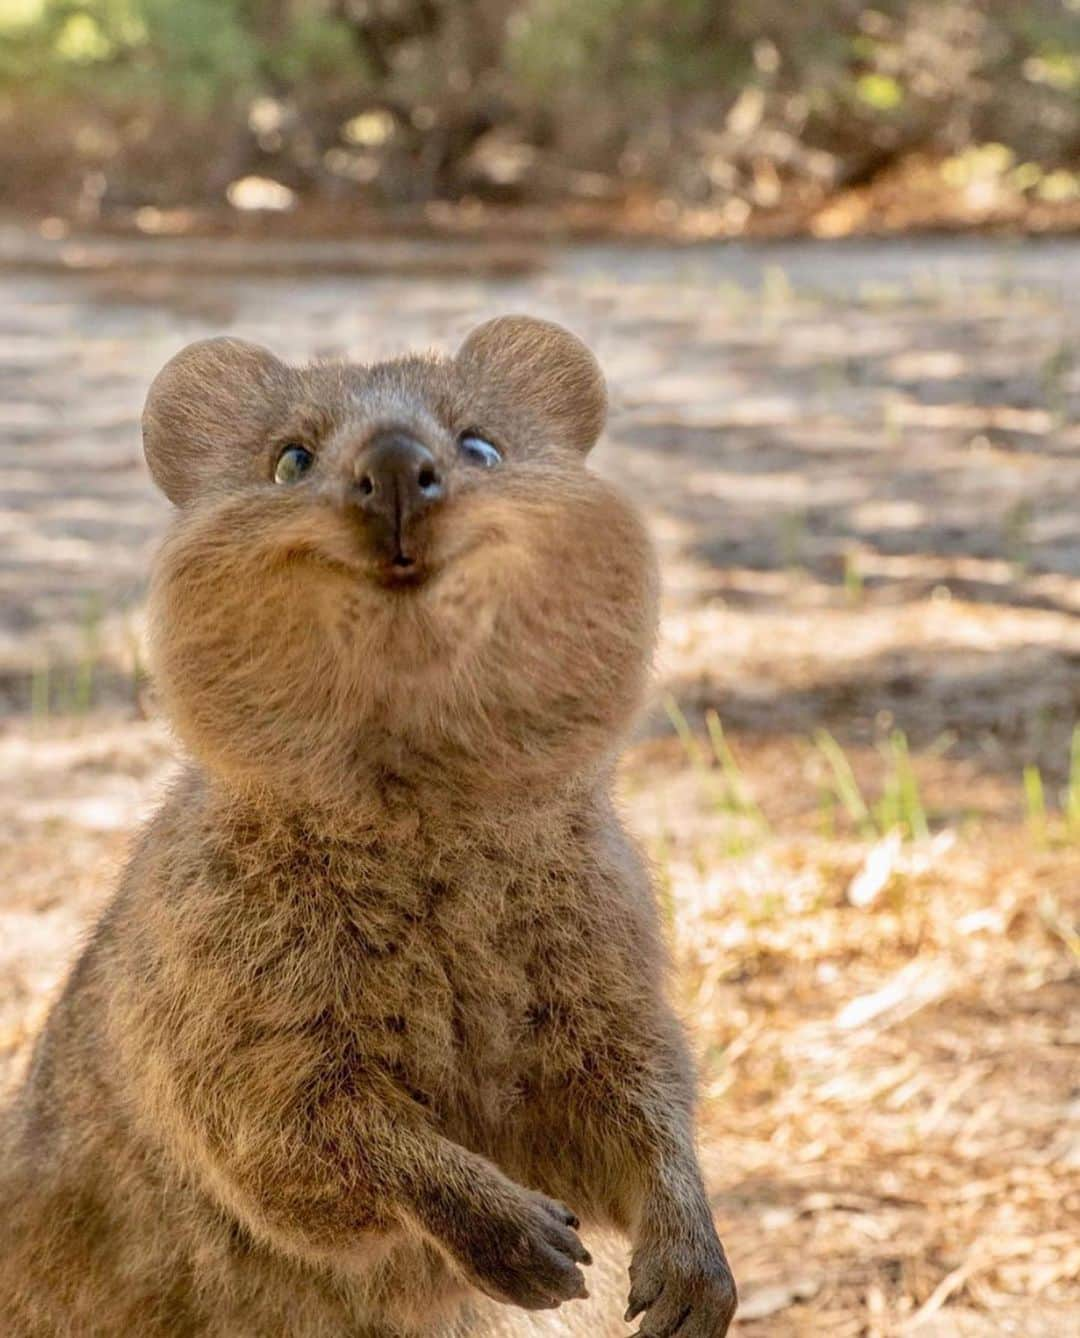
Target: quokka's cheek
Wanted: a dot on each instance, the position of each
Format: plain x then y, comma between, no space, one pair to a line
465,604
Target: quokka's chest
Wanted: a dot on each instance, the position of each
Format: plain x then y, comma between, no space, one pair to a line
474,997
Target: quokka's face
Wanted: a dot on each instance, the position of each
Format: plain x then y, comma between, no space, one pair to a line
396,562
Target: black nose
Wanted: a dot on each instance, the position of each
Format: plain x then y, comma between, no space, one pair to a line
397,480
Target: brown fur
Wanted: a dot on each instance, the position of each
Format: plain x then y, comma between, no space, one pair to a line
383,980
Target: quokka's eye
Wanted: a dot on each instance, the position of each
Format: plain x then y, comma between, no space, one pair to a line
477,450
292,464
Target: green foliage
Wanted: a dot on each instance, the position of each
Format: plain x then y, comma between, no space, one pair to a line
901,804
691,95
720,776
195,54
899,807
316,47
632,45
1049,828
879,91
844,786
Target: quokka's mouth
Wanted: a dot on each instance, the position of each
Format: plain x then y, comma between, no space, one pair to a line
402,572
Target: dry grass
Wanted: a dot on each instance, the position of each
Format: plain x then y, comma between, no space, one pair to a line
889,1066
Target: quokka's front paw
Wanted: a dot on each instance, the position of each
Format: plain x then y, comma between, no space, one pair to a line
685,1291
527,1253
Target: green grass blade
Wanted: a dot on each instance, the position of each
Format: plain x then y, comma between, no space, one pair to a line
738,795
844,784
911,811
1072,793
694,752
1035,798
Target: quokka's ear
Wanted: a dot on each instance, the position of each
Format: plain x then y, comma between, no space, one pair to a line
540,370
207,413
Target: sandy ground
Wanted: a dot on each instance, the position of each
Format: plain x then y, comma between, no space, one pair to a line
862,467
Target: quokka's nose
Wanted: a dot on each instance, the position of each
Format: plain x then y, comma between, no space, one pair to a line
397,480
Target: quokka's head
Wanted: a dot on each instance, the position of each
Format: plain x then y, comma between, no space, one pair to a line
402,570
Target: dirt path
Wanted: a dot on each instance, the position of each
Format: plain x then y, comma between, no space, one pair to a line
862,465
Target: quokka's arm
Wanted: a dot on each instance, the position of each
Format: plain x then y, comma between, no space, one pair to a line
330,1180
641,1123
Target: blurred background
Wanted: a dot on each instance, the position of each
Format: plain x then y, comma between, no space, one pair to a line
829,256
705,117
